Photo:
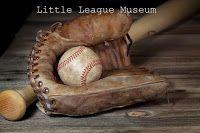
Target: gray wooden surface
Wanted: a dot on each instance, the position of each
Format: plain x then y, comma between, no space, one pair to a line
174,53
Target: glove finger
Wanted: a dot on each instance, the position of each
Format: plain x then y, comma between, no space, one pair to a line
113,54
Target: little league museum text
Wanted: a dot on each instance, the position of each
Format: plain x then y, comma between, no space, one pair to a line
81,9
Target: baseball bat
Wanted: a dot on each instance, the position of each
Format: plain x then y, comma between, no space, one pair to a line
167,14
13,104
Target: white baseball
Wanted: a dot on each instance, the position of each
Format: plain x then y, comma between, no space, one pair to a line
79,66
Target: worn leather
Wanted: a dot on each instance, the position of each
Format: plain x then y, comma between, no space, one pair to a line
94,28
118,90
120,85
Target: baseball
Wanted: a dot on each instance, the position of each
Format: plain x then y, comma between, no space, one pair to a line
79,66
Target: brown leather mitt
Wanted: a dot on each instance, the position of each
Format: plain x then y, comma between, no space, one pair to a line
120,85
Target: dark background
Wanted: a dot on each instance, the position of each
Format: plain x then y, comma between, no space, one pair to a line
14,13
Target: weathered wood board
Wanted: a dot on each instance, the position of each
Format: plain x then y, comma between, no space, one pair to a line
174,54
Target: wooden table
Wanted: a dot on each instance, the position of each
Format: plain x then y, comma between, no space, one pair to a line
174,53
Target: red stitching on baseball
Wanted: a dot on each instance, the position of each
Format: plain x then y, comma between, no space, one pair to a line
70,58
87,69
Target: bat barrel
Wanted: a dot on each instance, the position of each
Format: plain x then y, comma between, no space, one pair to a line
166,15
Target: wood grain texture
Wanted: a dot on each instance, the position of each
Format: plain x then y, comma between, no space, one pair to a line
174,53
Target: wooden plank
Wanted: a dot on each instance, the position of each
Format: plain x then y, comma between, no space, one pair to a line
173,53
162,45
156,119
168,45
30,30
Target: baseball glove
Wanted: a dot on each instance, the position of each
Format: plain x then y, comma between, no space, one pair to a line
120,85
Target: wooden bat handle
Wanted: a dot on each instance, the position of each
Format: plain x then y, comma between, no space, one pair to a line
13,104
166,15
